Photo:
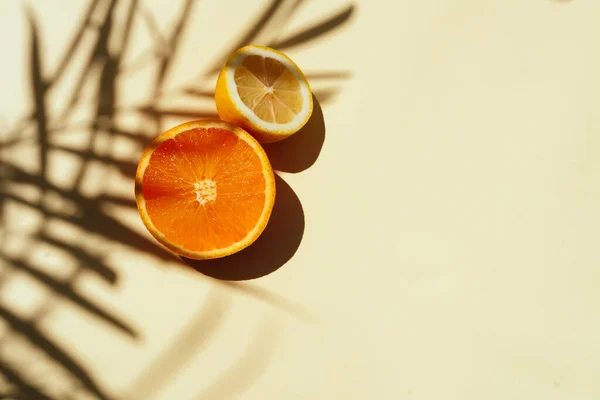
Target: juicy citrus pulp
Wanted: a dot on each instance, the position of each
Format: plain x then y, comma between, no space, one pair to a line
205,189
263,91
269,89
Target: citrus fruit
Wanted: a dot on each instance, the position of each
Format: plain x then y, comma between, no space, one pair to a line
263,91
205,189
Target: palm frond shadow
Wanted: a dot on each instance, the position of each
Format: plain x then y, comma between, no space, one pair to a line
113,21
22,388
317,30
193,337
89,215
249,367
36,336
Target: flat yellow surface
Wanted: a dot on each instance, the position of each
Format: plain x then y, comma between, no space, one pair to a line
436,233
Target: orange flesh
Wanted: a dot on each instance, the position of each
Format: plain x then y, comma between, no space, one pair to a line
204,189
269,89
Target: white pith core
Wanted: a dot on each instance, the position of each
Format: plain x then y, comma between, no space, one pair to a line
206,191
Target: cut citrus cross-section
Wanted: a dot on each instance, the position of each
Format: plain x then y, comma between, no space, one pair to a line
263,91
205,189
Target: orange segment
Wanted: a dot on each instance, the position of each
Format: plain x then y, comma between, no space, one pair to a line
205,189
264,92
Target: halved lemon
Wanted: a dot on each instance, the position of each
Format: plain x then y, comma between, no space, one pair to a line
263,91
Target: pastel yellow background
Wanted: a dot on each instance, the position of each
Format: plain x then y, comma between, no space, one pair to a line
449,227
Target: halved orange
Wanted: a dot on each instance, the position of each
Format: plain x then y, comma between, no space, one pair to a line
263,91
205,189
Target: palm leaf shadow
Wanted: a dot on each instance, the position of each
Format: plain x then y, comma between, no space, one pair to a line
265,21
104,66
248,368
88,261
173,43
249,36
62,65
89,211
39,90
90,217
317,30
98,58
68,293
24,389
41,341
192,338
75,42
